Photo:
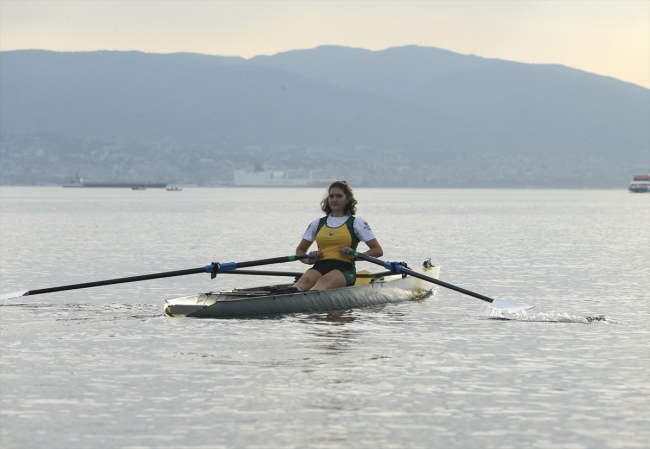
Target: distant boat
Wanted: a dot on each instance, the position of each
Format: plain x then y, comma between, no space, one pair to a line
126,185
79,182
174,189
282,178
640,184
76,182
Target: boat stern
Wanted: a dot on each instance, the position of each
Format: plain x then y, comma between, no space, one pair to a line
187,305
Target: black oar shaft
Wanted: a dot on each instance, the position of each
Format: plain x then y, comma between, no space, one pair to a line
118,281
298,273
265,273
446,285
256,263
402,269
223,268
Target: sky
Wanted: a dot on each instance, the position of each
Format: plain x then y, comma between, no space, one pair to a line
609,38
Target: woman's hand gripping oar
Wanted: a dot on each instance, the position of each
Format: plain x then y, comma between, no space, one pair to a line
213,268
398,268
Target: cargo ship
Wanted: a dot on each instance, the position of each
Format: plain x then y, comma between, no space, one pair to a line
640,184
282,178
79,182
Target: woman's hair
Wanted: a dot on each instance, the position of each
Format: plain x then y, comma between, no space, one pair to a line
350,207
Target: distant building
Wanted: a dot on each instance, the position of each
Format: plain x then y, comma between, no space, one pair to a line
283,178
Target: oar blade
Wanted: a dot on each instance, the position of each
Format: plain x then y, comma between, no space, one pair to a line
507,306
11,295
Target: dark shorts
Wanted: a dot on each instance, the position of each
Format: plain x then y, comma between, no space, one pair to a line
348,269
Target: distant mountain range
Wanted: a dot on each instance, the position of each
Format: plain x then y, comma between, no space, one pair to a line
427,105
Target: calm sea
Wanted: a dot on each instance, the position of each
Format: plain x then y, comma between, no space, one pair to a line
104,368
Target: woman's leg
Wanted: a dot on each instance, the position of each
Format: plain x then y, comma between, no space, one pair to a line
333,279
308,280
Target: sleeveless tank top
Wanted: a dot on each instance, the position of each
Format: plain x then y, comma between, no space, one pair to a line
330,240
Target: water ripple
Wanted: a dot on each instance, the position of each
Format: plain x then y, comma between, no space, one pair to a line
547,317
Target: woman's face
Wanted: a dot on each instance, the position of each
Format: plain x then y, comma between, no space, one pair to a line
337,199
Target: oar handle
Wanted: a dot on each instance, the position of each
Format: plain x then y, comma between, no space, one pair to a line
396,267
227,266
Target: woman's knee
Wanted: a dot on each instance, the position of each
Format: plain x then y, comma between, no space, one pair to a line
309,279
333,279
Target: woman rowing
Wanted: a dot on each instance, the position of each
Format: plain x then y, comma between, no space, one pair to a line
334,234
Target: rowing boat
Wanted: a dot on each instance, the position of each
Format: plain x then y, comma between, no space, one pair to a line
399,284
369,290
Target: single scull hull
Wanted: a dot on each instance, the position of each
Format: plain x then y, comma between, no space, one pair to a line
257,301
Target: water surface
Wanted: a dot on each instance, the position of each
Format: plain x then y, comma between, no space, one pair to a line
104,367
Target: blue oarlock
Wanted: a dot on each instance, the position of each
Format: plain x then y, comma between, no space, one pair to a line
221,267
393,266
217,267
227,266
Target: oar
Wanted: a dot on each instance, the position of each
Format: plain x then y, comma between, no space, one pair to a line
213,268
298,273
398,268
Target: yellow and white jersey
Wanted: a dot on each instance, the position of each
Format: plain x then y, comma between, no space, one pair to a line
361,228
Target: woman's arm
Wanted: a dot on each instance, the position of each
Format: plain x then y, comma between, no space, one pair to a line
374,249
302,250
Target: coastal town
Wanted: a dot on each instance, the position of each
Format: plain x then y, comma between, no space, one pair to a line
51,159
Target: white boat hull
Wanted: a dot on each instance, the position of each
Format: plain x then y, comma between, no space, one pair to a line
389,289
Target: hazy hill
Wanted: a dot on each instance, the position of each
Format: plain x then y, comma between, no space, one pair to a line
456,114
531,106
195,99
